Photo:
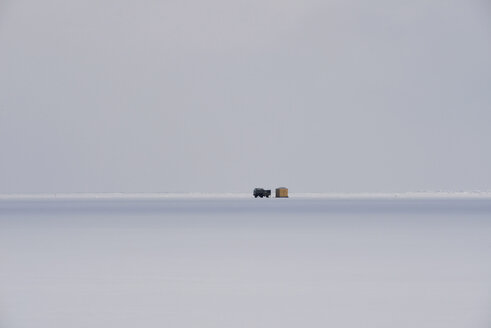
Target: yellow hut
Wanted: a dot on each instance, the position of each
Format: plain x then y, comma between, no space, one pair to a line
282,192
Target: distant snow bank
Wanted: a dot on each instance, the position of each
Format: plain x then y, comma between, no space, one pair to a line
156,196
142,196
406,195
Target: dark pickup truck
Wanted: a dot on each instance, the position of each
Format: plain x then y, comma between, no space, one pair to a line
260,192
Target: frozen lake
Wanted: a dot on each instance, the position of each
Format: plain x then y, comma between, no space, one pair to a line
235,261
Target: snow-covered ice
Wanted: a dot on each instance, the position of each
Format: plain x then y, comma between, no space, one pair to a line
169,260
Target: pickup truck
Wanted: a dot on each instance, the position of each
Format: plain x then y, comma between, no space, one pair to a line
260,192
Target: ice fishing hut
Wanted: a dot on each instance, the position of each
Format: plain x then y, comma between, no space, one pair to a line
282,192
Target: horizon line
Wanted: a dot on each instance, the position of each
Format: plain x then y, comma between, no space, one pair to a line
204,195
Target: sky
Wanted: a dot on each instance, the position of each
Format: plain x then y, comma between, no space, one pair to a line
225,96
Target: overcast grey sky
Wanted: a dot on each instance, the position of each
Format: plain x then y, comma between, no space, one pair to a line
218,96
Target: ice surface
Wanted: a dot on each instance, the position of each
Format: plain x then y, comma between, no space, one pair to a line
233,261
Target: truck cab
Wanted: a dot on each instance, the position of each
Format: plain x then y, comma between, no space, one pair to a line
260,192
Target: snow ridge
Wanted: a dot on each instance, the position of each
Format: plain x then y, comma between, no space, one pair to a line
196,195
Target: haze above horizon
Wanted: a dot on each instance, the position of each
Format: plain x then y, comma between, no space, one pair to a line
318,96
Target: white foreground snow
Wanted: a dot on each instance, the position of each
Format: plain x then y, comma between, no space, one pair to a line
233,261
